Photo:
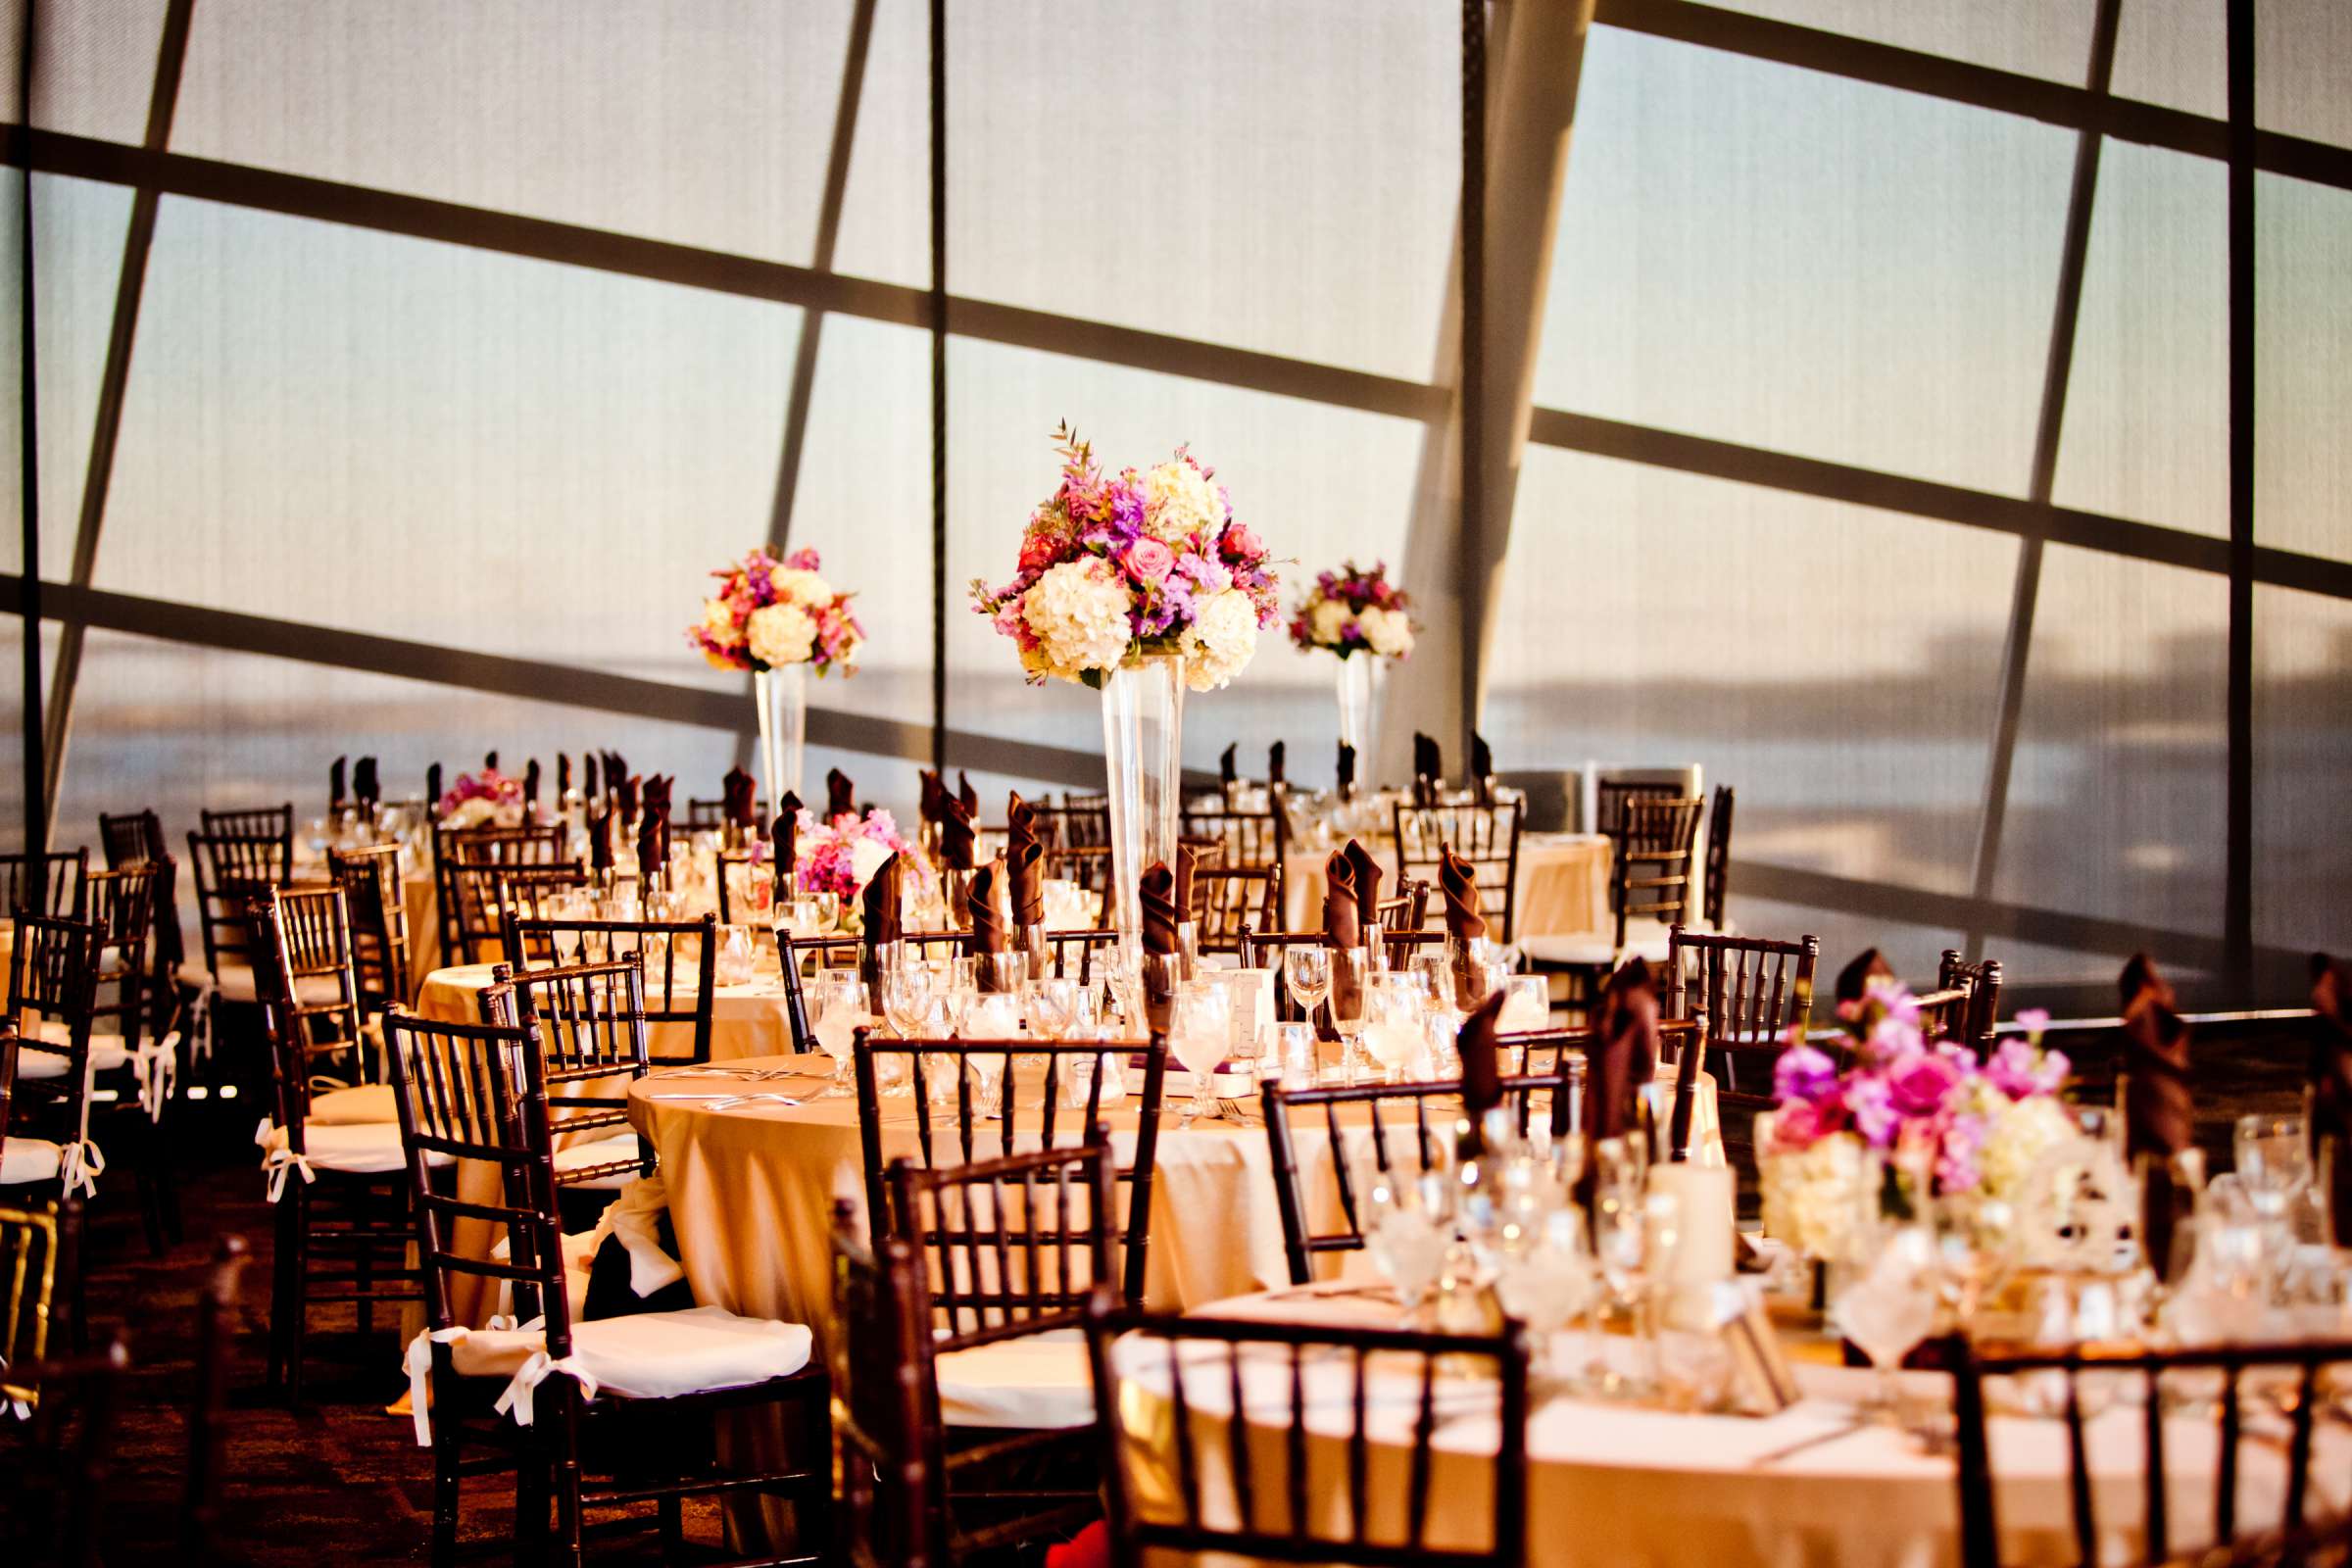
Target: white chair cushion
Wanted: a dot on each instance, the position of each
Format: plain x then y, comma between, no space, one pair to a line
356,1149
654,1355
579,1257
236,984
343,1108
1643,939
602,1152
1037,1382
29,1160
107,1052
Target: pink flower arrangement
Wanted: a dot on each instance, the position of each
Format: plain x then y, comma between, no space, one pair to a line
1355,610
842,854
1114,568
489,785
1936,1104
769,612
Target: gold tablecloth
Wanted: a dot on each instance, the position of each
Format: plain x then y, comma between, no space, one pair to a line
1563,885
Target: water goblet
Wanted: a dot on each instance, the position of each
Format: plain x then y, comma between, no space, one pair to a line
1409,1225
1391,1023
1306,973
734,964
1351,972
1526,1004
1291,1056
839,1011
1053,1007
1886,1300
1199,1029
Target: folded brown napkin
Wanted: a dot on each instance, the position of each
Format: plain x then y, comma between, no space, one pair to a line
1481,769
984,915
1343,929
966,796
738,798
1363,880
882,895
590,787
364,785
1347,771
932,801
432,788
563,776
1024,862
784,840
1429,760
841,796
1188,865
600,840
530,783
652,854
1457,882
660,792
1482,1059
957,835
624,786
2159,1113
1275,762
1228,770
2332,1083
1625,1056
334,780
490,761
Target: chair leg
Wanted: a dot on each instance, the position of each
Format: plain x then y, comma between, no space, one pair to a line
446,1457
673,1512
150,1179
298,1281
281,1293
566,1469
531,1462
363,1224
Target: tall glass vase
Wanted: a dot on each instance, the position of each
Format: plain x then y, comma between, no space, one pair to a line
1142,756
1355,707
781,696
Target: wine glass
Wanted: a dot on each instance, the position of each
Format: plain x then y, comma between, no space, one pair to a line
1199,1032
1621,1171
734,964
840,1011
1291,1055
1409,1224
2274,1162
1886,1301
1391,1023
1526,1004
1306,973
1351,973
1053,1007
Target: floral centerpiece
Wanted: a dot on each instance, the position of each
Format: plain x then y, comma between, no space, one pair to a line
1141,586
1119,568
1355,610
1966,1126
841,856
778,619
478,797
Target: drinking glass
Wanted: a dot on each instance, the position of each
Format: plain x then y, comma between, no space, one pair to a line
1526,1004
1053,1007
1619,1240
1391,1023
908,987
1199,1029
734,964
1409,1224
990,1015
2274,1162
838,1013
1351,974
1000,972
1306,973
1886,1301
1291,1056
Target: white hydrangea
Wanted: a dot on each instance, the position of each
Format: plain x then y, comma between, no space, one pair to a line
719,619
1812,1196
1180,501
1390,632
793,582
780,634
1079,612
2017,1141
1221,639
1326,620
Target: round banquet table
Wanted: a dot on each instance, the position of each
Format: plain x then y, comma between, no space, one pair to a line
1618,1484
1563,884
746,1020
751,1188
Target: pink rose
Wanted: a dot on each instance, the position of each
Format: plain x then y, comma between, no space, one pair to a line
1148,560
1240,544
1038,552
1919,1084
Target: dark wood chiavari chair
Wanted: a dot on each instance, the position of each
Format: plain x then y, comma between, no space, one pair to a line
589,1023
1486,836
892,1452
1611,792
230,868
40,1267
133,838
1248,839
975,1134
121,908
1271,1517
45,883
704,816
531,893
1983,981
255,822
52,1000
1009,1250
480,1092
1076,838
1749,992
680,961
2261,1389
1718,856
1227,899
125,837
1943,1013
379,921
1650,871
56,1489
464,878
342,1230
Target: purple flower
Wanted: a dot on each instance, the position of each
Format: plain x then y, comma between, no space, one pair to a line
2018,1069
1870,1101
1956,1169
1803,1074
2034,1021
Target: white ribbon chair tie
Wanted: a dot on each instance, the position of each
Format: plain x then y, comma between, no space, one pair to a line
79,1165
536,1369
419,1362
278,1161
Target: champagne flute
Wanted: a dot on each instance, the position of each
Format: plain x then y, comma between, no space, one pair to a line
1351,974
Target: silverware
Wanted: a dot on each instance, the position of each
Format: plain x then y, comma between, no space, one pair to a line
1818,1439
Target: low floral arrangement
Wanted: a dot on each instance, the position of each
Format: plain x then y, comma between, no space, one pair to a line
1352,611
1117,567
841,856
1973,1127
479,798
769,612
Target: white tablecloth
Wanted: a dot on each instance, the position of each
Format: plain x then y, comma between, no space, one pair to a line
1563,884
1616,1485
746,1020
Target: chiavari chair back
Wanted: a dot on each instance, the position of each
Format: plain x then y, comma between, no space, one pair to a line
520,892
255,822
588,1021
49,883
230,870
1983,980
52,998
127,836
705,816
303,973
2253,1390
1612,792
1943,1013
953,1081
40,1245
371,887
1227,899
893,1471
1486,836
1269,1509
465,863
122,908
678,961
1248,839
127,839
1751,991
1719,856
1650,873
